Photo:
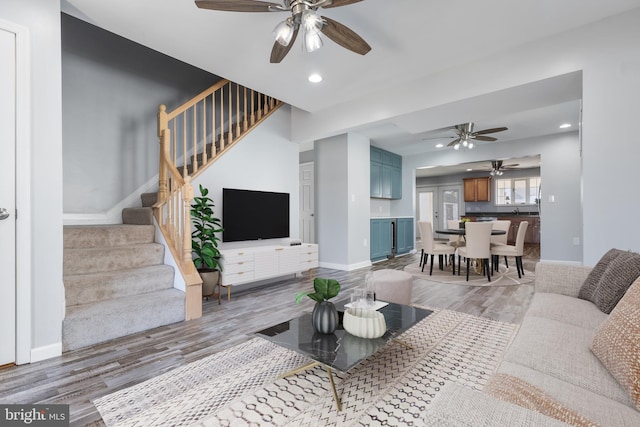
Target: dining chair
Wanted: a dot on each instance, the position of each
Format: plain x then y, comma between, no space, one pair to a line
478,237
430,247
500,239
515,251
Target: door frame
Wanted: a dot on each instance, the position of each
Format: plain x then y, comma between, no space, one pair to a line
23,190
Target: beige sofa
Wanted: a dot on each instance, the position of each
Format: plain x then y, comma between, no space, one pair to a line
552,353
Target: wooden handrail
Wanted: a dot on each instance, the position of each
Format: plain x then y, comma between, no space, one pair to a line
192,137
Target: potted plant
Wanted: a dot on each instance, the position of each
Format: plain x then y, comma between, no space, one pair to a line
324,316
204,242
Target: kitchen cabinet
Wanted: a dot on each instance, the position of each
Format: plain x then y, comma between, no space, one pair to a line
404,235
386,174
477,189
380,238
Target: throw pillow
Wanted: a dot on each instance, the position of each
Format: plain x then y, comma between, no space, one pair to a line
615,281
519,392
591,282
617,343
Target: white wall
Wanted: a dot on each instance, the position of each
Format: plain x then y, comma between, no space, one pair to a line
608,55
359,192
264,160
42,19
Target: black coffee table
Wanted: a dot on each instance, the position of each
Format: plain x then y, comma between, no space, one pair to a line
341,350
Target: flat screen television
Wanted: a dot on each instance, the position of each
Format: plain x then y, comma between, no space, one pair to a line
254,215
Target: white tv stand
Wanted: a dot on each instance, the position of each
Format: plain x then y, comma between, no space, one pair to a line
245,265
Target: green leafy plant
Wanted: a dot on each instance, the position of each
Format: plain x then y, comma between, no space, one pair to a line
323,290
204,242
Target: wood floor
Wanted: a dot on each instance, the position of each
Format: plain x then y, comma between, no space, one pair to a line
77,377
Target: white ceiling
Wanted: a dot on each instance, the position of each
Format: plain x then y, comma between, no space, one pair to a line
410,39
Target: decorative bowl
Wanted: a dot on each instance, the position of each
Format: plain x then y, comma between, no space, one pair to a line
364,323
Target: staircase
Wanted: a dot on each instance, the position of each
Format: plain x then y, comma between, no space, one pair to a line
115,281
114,278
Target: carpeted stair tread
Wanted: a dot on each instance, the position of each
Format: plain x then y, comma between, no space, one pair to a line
95,260
87,288
88,324
94,236
149,199
138,216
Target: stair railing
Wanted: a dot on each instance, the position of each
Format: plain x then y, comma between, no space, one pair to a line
192,137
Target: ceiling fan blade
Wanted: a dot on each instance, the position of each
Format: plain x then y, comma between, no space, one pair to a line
454,142
484,138
493,130
344,36
238,5
279,52
338,3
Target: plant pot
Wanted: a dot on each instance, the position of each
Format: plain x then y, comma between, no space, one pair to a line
210,279
324,317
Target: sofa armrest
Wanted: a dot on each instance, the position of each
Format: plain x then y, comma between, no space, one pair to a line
456,406
561,279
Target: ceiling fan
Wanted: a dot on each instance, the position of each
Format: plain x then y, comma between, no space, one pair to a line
497,168
303,16
466,136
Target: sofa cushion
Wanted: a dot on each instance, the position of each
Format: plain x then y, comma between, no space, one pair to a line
519,392
562,350
566,309
615,281
617,343
593,279
598,408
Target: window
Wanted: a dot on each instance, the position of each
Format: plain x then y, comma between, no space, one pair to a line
518,191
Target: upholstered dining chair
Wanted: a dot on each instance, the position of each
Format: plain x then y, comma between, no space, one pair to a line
515,251
430,247
478,236
500,239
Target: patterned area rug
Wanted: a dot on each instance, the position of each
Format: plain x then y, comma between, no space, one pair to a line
504,277
239,386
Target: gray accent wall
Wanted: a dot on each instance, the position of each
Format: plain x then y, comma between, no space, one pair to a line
342,189
112,89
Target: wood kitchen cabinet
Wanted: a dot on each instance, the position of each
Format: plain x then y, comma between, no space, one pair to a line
533,229
477,189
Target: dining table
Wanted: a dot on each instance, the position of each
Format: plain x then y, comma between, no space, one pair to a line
460,232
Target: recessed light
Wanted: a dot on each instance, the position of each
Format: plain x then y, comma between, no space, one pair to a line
469,170
439,145
565,125
315,78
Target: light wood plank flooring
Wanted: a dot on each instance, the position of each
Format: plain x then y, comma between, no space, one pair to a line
77,377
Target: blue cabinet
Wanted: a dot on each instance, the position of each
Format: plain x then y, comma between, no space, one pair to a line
380,238
404,235
386,174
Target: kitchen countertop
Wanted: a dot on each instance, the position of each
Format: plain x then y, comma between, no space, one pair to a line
501,214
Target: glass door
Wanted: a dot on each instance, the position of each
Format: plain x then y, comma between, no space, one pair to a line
450,199
427,202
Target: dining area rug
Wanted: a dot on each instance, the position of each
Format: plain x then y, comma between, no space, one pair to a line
241,385
503,277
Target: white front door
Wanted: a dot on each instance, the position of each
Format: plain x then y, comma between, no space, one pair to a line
307,209
7,198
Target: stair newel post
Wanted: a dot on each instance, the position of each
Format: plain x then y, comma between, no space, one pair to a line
163,134
187,198
237,110
245,123
230,102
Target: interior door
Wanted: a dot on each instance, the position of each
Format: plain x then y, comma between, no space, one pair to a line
7,198
307,209
427,206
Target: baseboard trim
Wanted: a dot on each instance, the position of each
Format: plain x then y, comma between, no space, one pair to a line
345,267
46,352
555,261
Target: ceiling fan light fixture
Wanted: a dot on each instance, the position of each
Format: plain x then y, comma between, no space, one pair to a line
470,145
457,146
312,41
284,32
311,22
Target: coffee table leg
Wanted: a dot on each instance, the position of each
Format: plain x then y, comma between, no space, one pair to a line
333,388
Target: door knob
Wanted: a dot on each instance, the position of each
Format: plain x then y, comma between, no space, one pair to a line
4,214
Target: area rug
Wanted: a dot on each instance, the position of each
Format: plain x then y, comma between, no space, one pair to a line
239,386
503,277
